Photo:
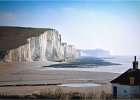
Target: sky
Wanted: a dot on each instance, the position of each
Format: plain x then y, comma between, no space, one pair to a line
110,25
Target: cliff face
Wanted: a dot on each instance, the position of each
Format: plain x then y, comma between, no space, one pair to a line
69,51
38,45
78,53
53,45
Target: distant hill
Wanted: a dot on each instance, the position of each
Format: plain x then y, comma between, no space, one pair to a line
95,53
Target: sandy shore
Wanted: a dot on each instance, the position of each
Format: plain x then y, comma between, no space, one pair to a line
33,73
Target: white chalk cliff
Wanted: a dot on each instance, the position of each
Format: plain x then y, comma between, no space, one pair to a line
33,44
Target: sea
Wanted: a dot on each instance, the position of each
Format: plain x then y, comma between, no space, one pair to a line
124,63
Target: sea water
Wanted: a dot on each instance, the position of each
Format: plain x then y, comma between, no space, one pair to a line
80,85
125,61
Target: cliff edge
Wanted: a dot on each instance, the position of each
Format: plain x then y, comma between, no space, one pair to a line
19,44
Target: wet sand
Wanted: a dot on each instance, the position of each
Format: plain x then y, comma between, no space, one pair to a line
33,73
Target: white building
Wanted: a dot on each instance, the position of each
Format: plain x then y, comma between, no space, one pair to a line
127,83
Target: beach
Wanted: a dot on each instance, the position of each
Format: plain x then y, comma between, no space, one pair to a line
19,79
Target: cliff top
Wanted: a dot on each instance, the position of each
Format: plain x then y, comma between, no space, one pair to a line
4,30
12,36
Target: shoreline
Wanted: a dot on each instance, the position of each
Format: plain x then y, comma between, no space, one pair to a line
79,69
33,73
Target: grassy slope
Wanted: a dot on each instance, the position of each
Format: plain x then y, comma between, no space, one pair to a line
12,37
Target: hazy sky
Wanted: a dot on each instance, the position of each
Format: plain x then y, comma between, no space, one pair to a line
109,25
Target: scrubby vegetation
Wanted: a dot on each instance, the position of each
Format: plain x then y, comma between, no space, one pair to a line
59,94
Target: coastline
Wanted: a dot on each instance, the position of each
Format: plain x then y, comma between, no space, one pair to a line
32,73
